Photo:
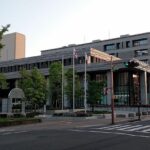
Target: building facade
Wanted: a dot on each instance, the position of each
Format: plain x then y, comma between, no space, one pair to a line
126,46
131,85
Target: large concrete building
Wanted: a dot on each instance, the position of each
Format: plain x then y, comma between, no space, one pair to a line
125,46
14,47
131,86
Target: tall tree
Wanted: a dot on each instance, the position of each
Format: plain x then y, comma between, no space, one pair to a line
95,92
55,84
69,87
3,82
39,88
2,31
25,83
34,86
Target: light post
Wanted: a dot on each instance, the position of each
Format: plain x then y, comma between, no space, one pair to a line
139,112
112,92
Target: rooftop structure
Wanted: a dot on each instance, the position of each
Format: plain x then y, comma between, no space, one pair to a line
124,47
14,47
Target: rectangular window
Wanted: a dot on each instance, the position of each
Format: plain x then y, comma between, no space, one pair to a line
67,62
145,61
101,77
127,44
140,42
118,45
109,47
141,52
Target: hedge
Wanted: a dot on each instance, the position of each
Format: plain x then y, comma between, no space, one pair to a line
18,121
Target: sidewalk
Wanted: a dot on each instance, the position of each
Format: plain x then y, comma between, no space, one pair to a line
93,120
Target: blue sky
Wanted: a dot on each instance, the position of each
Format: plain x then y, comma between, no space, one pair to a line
54,23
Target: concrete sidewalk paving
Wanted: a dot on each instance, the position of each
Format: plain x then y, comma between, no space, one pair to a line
78,121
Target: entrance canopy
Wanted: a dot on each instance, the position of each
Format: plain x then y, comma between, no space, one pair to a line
16,93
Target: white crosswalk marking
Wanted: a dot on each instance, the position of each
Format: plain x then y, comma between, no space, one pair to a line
139,128
127,128
119,127
11,131
111,127
146,130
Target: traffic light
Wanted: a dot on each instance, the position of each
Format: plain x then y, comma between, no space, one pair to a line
131,64
126,64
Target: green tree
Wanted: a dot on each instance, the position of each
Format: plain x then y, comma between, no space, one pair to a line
2,31
25,83
69,87
34,86
95,92
55,84
3,82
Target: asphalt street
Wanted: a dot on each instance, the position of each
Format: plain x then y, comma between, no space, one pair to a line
76,135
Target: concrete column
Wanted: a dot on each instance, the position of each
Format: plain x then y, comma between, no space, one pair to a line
16,83
44,109
9,105
109,88
143,87
23,107
48,101
4,105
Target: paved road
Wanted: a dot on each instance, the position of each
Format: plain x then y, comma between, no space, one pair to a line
76,135
134,129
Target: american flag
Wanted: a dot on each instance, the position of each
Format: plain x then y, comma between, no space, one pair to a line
86,58
75,55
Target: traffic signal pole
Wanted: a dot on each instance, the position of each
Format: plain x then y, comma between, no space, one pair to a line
112,92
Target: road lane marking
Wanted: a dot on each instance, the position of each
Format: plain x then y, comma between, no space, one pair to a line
16,132
6,130
108,132
86,126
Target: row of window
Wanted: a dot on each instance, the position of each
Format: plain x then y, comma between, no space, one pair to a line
41,65
141,52
125,44
137,53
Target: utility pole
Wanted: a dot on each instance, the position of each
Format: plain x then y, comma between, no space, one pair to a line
112,92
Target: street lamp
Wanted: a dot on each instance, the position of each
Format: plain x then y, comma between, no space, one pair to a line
139,112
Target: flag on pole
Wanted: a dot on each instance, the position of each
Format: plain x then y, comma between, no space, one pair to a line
85,84
75,55
62,82
86,58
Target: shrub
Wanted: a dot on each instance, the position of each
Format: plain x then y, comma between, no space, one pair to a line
101,112
3,115
58,114
17,115
18,121
32,114
83,114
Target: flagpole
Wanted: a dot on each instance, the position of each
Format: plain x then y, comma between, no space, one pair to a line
73,107
112,92
85,85
62,82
